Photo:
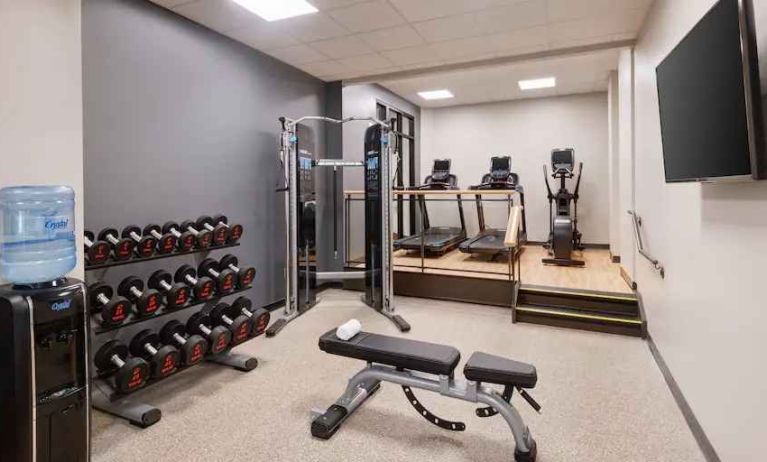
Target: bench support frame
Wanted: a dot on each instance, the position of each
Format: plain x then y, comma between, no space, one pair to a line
367,381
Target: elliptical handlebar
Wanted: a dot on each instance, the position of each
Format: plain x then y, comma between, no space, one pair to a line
578,181
546,179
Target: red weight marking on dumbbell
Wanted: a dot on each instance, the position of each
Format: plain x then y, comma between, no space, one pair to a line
168,365
197,353
235,233
206,239
153,304
124,250
247,278
228,283
120,313
220,236
181,297
261,324
207,291
220,345
243,333
168,244
137,378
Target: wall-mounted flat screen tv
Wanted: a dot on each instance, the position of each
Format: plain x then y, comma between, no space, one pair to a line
711,97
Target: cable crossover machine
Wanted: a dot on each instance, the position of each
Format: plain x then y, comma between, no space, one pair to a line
298,159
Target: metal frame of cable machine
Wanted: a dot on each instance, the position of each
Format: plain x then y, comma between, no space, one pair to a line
289,160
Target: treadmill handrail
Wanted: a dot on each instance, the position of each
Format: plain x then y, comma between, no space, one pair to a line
512,229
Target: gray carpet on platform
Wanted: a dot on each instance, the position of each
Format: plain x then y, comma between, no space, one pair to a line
603,398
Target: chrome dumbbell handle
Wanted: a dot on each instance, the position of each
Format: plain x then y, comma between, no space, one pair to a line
137,293
181,340
205,330
117,361
102,298
164,284
155,234
112,239
150,349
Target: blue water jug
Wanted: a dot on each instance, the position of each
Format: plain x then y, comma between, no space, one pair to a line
37,233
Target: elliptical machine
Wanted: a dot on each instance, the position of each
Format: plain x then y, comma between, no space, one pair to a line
564,236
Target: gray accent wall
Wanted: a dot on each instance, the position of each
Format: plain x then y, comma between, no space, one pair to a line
181,121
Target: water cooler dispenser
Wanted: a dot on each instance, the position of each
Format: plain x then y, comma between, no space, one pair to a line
44,333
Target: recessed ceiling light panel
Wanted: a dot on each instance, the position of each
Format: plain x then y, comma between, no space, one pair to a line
274,10
537,84
435,94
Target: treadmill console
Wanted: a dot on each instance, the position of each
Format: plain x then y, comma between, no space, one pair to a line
440,177
563,159
500,168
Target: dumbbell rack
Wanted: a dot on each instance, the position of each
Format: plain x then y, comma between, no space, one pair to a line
106,399
159,256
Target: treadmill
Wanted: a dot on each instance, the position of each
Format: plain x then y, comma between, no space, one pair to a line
491,241
437,240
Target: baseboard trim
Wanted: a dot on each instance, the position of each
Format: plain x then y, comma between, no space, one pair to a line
692,422
587,246
615,258
627,279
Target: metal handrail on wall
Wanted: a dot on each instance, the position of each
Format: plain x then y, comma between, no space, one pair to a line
640,244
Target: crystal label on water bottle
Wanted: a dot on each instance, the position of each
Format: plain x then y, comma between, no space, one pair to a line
58,227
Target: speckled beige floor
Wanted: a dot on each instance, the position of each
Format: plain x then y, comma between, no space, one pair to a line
603,398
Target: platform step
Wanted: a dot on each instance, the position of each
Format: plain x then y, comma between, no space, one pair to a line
581,319
591,301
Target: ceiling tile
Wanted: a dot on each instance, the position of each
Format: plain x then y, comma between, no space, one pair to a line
171,3
363,17
567,10
322,68
310,27
450,28
342,47
373,61
220,15
414,55
392,38
262,37
421,10
523,38
325,5
513,17
298,54
469,47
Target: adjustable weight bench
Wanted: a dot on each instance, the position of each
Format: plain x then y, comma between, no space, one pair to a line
429,366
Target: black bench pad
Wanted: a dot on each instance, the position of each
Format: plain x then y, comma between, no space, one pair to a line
394,351
483,367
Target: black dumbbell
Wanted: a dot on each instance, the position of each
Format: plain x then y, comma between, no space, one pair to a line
122,249
202,287
260,316
166,242
163,359
96,252
235,231
203,236
238,324
146,302
224,278
185,241
245,275
220,231
145,245
193,348
176,293
130,373
218,337
110,310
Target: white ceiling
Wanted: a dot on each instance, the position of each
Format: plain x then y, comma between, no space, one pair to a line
581,73
359,38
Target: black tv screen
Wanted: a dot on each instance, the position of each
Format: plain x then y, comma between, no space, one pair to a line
710,99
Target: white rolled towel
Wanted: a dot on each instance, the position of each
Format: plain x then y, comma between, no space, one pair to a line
348,329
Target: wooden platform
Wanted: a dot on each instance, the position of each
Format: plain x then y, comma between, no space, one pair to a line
599,273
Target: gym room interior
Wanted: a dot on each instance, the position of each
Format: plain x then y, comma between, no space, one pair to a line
238,230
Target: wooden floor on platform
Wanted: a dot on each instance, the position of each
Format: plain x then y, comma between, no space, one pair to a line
598,274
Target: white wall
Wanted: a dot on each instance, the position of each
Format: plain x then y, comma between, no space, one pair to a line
527,130
41,129
613,164
626,159
709,316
